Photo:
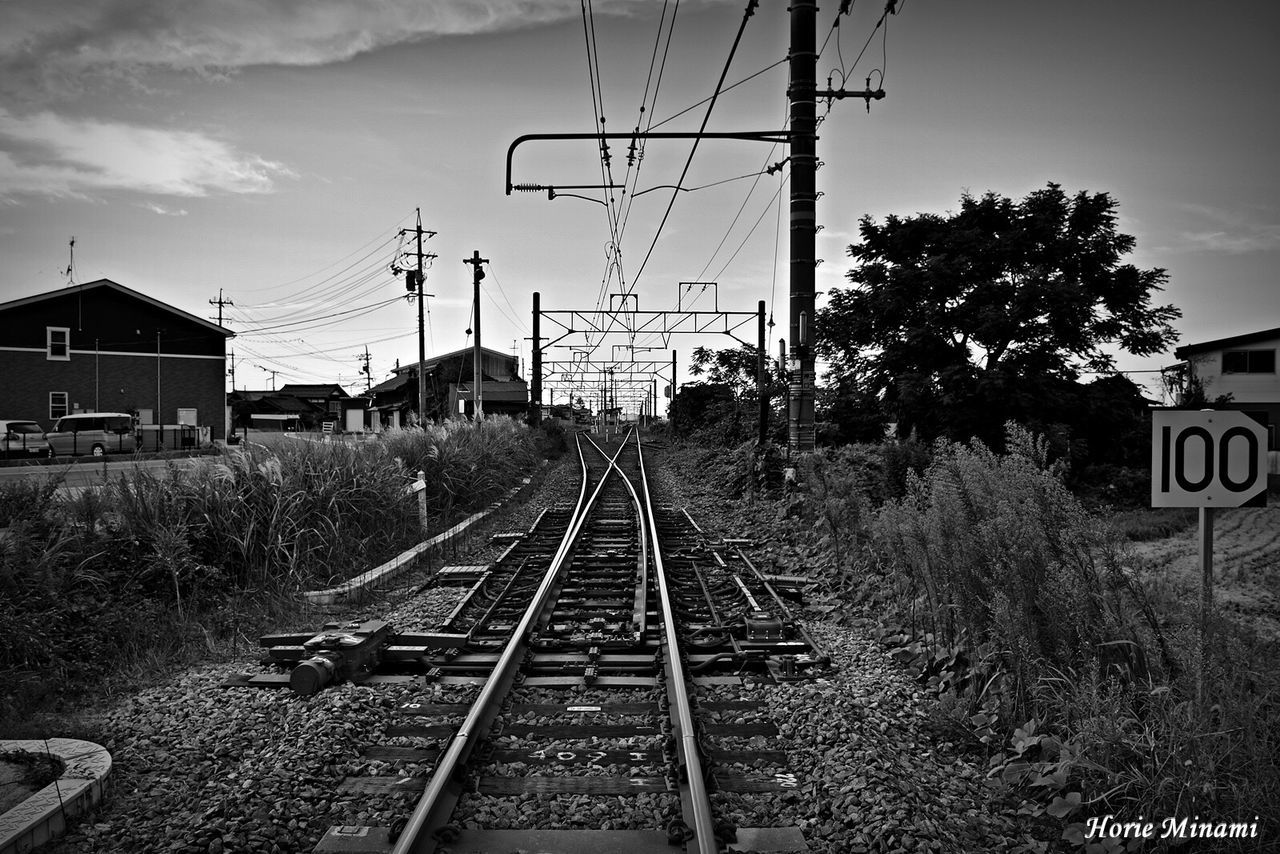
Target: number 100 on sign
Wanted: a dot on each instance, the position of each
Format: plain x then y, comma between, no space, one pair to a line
1207,459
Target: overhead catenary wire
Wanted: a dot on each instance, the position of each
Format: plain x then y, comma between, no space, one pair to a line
750,10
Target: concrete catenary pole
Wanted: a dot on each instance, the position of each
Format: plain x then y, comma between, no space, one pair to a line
802,96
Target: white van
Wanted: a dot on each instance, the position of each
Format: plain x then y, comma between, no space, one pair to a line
95,433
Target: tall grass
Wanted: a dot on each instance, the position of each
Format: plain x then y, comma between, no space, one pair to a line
467,465
154,562
1031,619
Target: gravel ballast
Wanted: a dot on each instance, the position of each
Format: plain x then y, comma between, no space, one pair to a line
198,768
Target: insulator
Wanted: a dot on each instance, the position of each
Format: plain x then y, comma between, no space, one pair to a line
528,188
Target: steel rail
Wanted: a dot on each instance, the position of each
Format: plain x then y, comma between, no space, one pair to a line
445,786
640,608
694,797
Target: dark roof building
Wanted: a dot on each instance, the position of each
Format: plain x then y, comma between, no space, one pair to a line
448,380
103,347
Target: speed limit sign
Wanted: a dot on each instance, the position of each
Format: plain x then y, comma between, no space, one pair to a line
1207,458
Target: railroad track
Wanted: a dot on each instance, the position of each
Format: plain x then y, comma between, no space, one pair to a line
586,694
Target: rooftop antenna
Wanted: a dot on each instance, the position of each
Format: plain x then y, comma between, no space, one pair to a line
70,272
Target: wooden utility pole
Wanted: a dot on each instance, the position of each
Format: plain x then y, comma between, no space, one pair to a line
477,273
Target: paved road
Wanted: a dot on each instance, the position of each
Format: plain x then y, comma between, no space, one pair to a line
87,471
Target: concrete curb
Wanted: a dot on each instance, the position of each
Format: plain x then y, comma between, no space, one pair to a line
44,815
406,559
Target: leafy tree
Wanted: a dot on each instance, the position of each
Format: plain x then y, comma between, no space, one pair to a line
960,322
724,406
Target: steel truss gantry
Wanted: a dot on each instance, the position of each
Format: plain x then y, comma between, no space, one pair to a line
625,316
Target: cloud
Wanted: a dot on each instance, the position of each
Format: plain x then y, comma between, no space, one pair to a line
162,210
1230,231
48,154
44,46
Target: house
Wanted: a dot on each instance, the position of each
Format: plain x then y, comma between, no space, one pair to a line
326,401
271,410
448,380
103,347
296,406
1234,373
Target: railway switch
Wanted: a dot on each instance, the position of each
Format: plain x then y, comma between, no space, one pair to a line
763,626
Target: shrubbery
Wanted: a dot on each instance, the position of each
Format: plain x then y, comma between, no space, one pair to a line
1050,651
1027,615
149,563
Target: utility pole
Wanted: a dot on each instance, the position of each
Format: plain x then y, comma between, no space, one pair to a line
232,371
762,377
802,94
70,272
477,273
673,392
220,302
364,369
535,372
413,283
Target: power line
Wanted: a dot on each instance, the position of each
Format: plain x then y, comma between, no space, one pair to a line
317,320
751,4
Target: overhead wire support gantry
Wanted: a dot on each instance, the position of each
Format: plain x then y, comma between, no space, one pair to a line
774,136
802,96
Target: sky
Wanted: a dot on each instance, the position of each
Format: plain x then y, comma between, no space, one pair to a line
269,155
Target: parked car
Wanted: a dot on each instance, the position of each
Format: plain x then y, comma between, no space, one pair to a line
95,433
22,438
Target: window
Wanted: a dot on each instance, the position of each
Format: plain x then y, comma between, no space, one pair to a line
58,343
1249,362
118,424
57,405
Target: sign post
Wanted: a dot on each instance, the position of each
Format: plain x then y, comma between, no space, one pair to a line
1207,459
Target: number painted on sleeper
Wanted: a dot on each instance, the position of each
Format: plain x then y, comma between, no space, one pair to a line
591,758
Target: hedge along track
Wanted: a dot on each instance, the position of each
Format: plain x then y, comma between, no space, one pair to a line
552,711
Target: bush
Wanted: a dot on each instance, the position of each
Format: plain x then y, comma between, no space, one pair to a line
1025,611
467,465
154,563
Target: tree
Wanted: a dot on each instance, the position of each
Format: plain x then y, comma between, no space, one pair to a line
725,405
958,323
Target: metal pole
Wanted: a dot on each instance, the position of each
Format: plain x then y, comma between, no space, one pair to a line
1206,600
761,377
804,63
477,396
159,420
673,391
535,388
422,339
